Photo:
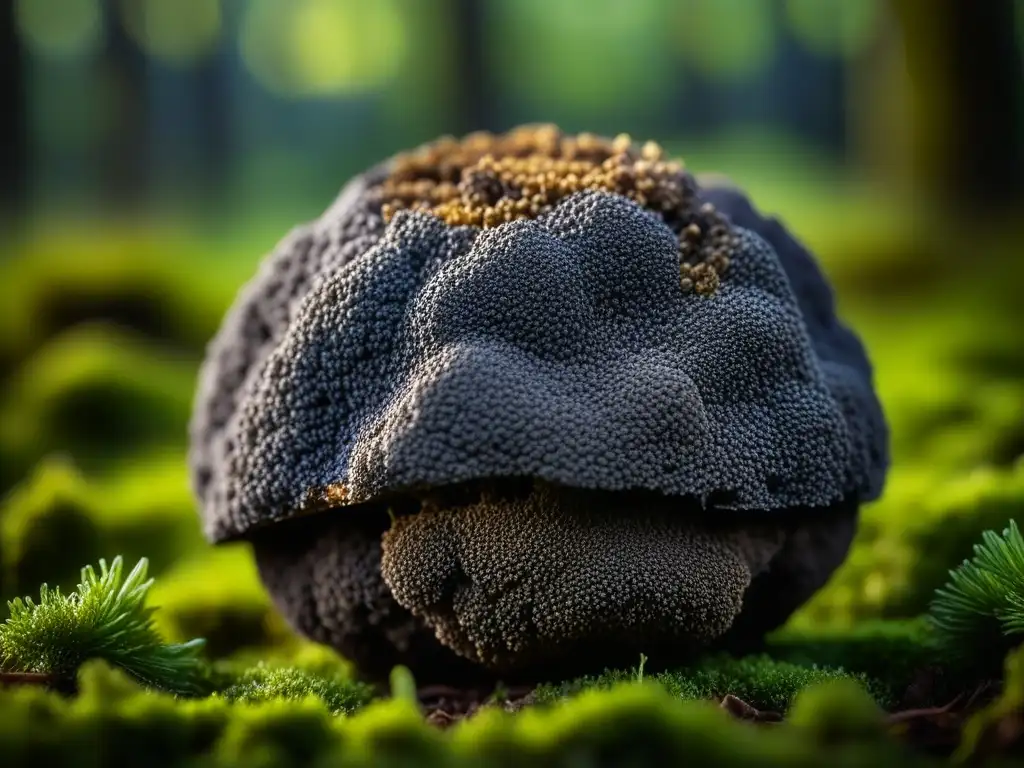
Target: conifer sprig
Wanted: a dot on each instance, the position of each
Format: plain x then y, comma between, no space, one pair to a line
105,618
981,608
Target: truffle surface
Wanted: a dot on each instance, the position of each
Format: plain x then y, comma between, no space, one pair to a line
574,313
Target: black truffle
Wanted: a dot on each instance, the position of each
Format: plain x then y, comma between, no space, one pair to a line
561,341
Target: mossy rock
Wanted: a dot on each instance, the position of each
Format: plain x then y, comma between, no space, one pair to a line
97,393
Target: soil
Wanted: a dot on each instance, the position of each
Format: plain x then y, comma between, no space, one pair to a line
931,730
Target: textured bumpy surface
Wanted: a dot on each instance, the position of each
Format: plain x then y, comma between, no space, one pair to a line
504,580
560,348
538,586
657,365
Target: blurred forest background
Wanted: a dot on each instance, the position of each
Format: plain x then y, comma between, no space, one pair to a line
152,151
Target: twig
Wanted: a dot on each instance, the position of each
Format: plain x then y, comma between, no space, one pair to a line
29,678
738,708
443,692
916,714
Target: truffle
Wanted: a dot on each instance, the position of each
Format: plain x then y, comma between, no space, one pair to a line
572,313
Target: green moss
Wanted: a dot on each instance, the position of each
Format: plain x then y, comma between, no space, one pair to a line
98,394
113,722
57,519
47,528
143,280
838,711
900,653
967,414
217,595
761,681
340,694
908,542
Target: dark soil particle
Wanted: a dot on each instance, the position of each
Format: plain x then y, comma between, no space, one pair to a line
444,706
931,730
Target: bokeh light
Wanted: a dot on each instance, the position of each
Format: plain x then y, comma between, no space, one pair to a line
727,38
581,53
60,28
308,48
833,27
178,32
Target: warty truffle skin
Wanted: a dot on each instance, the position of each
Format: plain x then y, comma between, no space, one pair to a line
559,348
671,383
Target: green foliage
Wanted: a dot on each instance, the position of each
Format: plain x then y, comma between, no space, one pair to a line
980,612
341,695
761,681
217,594
105,618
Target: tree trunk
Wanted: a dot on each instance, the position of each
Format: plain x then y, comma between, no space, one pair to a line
964,61
126,147
13,128
475,104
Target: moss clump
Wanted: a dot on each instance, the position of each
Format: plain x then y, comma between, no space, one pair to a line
98,394
485,180
341,695
57,518
904,654
143,280
106,618
46,526
835,711
218,595
761,681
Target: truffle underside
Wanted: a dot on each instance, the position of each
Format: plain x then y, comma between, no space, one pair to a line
466,594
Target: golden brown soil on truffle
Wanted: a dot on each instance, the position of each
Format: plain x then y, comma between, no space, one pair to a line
484,180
